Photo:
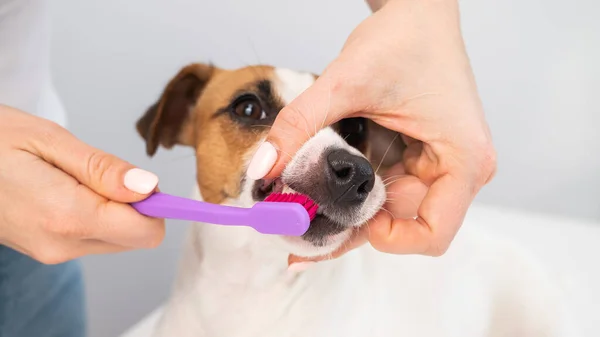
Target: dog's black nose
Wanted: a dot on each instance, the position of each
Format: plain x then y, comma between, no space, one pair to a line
349,177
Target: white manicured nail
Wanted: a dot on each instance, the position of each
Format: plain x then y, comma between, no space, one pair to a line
262,162
140,181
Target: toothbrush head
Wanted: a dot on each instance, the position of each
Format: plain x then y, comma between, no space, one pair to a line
306,202
282,218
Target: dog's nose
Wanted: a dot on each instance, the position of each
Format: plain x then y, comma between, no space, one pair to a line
349,177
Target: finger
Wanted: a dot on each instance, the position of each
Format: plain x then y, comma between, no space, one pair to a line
96,247
120,224
440,216
71,211
60,251
91,216
358,238
317,107
103,173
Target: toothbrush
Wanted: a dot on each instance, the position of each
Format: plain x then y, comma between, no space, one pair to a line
280,215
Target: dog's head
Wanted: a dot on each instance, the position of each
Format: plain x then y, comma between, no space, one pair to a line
226,114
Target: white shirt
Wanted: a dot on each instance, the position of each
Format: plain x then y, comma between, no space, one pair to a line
25,80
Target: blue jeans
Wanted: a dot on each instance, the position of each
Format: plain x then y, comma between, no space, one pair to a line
38,300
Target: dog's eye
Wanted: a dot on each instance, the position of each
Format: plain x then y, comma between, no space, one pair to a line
354,131
249,108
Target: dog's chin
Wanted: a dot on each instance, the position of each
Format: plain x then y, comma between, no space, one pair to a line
326,245
324,235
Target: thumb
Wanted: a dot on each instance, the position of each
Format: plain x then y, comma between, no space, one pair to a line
319,106
103,173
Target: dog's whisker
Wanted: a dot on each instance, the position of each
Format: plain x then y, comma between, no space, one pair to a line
254,51
278,128
391,177
398,193
328,106
391,182
306,124
314,119
392,214
421,95
289,155
312,109
344,245
386,152
259,72
405,198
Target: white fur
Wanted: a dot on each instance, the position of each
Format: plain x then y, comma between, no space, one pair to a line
234,282
289,83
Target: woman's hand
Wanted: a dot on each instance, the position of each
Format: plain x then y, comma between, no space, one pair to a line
405,68
61,199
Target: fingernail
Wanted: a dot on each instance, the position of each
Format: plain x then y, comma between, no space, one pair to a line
262,162
300,266
140,181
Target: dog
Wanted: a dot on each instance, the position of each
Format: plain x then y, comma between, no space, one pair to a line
235,282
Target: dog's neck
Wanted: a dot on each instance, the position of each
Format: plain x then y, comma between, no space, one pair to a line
238,255
236,267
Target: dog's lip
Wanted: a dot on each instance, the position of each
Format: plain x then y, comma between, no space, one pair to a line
272,185
277,185
266,187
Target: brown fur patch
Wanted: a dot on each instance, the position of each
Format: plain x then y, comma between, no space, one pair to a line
188,114
164,123
222,145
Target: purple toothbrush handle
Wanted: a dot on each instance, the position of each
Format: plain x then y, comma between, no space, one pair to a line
282,218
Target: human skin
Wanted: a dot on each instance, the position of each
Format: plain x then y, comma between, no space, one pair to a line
406,68
62,199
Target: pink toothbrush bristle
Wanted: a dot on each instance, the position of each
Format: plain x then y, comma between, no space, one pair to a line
310,206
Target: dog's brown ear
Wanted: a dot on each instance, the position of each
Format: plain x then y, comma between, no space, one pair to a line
164,122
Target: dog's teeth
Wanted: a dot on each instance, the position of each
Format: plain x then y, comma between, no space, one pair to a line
287,189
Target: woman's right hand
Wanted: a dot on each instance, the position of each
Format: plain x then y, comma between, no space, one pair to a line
406,68
61,199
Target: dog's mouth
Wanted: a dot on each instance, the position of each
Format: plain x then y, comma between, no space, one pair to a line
265,187
322,227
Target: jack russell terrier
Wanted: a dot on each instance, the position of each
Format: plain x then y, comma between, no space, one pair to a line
235,282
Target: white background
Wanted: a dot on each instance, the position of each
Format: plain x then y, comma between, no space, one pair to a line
536,64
